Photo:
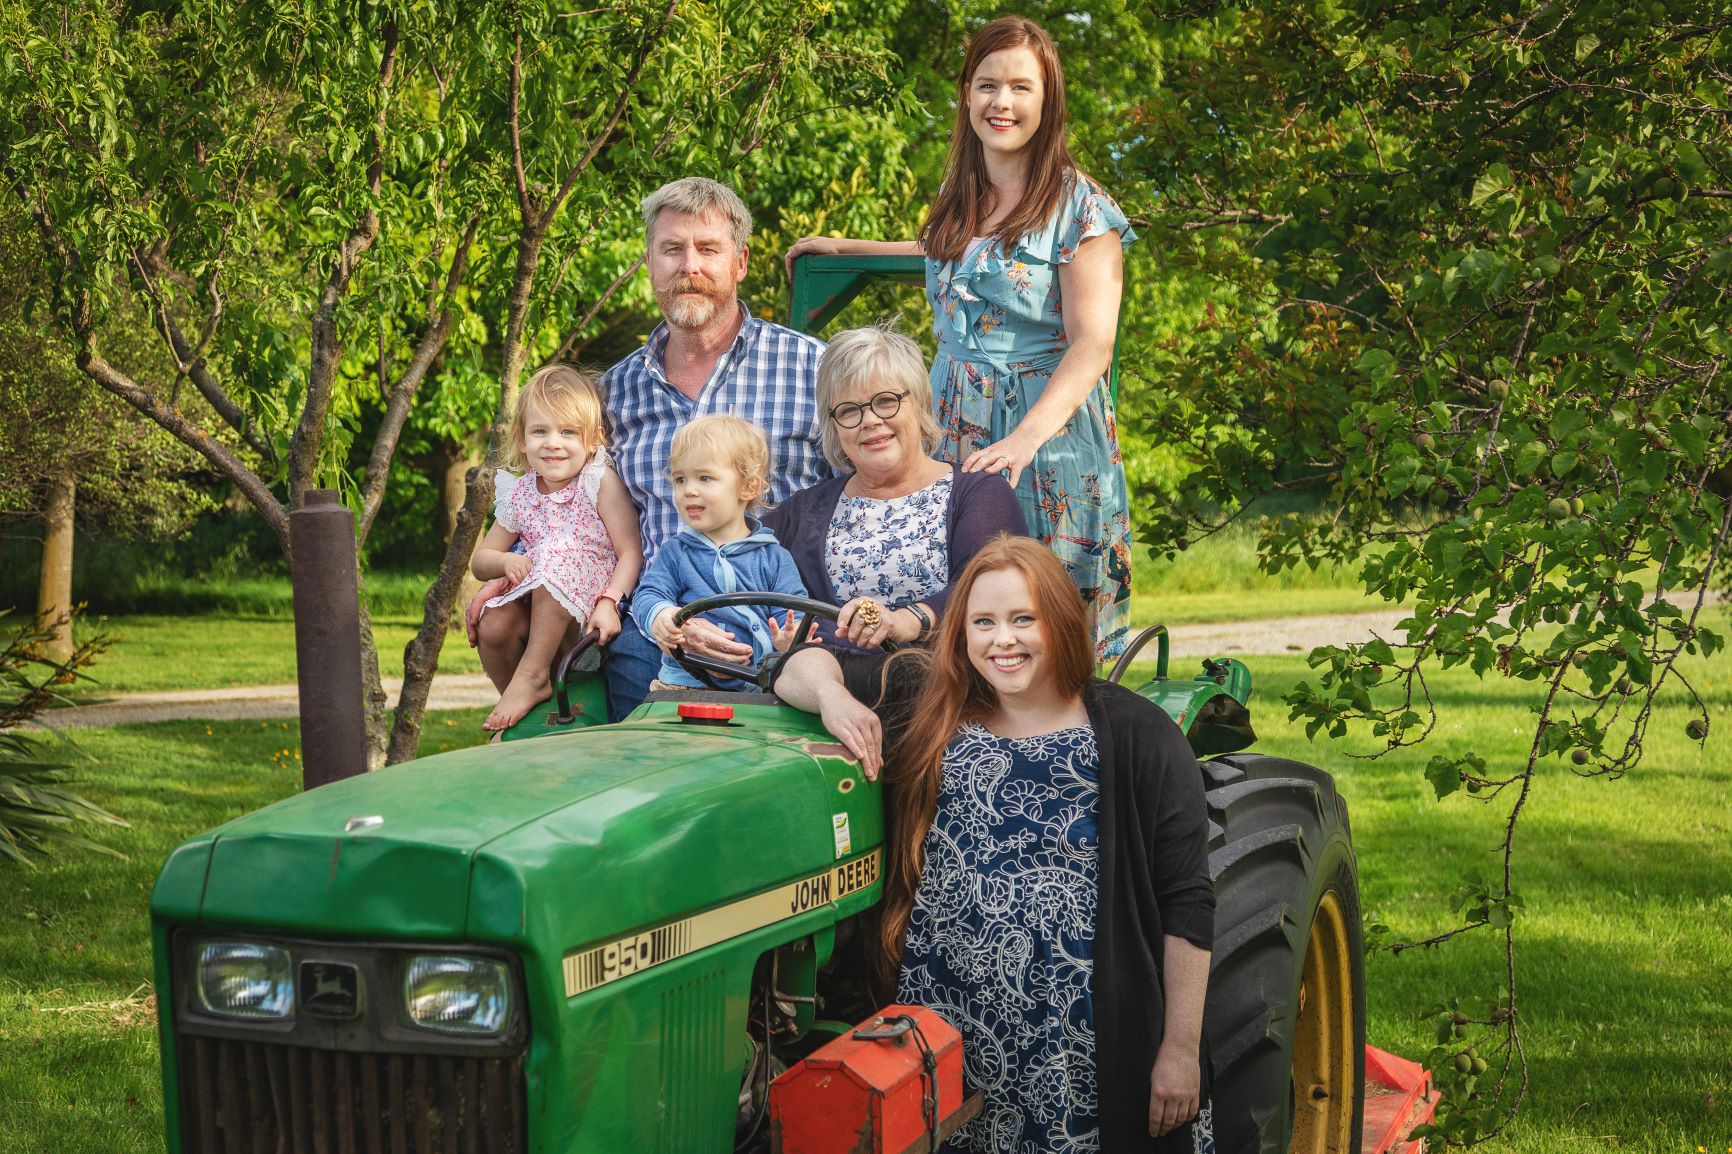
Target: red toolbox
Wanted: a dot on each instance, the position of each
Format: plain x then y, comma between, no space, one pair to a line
882,1088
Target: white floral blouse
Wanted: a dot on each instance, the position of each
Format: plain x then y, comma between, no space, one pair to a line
894,550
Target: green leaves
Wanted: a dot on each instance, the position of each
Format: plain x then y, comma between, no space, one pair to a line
1489,366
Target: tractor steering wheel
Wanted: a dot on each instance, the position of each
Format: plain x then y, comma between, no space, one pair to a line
710,669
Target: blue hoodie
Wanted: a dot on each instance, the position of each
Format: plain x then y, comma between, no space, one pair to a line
689,565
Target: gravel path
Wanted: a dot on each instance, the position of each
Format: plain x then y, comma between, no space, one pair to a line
473,691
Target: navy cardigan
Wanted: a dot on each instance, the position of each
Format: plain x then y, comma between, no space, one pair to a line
982,505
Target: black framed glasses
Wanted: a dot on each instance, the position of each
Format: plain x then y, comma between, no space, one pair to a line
885,405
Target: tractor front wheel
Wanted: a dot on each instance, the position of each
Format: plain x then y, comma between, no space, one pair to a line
1286,1007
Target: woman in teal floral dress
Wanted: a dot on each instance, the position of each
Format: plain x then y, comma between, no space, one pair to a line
1024,270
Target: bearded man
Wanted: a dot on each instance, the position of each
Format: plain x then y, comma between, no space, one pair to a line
709,355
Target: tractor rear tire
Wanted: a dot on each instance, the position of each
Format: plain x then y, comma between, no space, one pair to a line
1286,1007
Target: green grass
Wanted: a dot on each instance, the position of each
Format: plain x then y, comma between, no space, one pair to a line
1624,951
78,1059
165,653
1624,947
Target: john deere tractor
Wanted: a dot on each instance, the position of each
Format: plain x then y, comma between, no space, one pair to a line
616,937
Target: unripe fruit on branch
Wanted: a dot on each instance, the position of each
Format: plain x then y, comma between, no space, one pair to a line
1463,1064
1557,509
1579,756
1697,729
1498,390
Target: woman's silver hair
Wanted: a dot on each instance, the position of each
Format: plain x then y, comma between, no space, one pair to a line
694,196
883,360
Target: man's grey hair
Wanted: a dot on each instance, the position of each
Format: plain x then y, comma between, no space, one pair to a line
882,360
694,196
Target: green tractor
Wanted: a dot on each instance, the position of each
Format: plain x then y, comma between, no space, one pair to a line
615,937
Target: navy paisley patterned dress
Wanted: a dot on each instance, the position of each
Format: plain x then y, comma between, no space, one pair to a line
1001,939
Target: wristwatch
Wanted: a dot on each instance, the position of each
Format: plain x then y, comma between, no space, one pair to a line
613,595
922,616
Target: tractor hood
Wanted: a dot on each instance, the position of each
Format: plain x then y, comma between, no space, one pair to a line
502,843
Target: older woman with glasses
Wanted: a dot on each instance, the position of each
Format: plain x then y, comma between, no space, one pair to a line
886,538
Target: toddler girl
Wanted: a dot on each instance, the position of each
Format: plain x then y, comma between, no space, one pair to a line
578,524
719,466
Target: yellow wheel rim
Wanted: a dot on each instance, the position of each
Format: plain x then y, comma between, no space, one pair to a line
1323,1039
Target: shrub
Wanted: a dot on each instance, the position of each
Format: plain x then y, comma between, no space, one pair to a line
38,812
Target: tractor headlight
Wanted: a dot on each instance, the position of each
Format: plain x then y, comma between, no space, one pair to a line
245,980
457,994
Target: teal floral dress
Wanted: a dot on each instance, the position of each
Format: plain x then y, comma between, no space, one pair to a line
1000,324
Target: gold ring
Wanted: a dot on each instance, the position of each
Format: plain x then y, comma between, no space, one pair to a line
870,613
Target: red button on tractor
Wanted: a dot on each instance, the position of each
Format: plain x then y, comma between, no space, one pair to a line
703,713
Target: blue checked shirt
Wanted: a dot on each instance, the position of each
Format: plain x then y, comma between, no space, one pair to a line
769,377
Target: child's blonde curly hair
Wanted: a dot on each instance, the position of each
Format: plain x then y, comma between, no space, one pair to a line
731,441
569,395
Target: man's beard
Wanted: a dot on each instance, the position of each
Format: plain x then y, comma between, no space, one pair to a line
692,312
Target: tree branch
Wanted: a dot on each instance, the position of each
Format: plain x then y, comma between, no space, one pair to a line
402,394
514,128
570,342
186,431
327,347
189,357
600,139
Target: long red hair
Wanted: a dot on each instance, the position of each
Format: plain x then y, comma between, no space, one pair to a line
964,197
955,692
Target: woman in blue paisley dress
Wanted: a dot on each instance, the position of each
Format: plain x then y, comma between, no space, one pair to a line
893,528
1047,887
1024,271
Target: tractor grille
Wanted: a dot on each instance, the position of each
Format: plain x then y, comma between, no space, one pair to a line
249,1097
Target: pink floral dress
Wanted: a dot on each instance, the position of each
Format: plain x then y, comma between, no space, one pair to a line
570,553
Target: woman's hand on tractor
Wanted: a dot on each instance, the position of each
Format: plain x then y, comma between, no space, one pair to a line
855,726
822,245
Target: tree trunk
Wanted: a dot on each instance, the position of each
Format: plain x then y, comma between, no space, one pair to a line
54,589
454,487
421,656
376,702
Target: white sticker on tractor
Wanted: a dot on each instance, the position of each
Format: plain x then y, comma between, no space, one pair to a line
844,842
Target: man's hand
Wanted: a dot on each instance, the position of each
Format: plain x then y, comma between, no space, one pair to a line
497,587
1175,1086
708,639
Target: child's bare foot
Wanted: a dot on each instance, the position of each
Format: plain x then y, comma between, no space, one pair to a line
522,695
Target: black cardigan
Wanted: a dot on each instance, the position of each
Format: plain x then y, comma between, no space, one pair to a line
982,505
1154,879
